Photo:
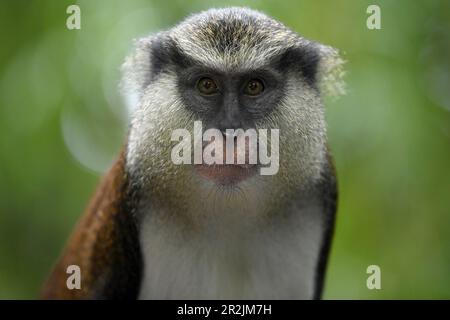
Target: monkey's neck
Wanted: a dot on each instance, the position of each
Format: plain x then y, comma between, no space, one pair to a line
229,259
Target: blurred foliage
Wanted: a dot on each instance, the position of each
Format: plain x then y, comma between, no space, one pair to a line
62,122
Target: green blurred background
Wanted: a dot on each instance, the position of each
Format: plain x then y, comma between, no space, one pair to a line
62,122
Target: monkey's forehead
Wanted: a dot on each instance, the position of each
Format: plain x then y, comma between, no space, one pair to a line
233,38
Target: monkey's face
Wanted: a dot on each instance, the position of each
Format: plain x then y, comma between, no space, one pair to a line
229,69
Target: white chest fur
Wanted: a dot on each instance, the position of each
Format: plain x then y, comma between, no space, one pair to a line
276,262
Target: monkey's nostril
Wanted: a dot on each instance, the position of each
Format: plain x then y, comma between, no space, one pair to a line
229,125
228,134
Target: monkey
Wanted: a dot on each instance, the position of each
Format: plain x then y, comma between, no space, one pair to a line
157,230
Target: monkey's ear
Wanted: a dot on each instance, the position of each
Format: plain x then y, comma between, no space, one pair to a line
136,73
330,71
319,64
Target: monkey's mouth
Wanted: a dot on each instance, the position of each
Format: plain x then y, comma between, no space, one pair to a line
229,173
226,174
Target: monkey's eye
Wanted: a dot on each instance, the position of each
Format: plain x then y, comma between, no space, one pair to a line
254,87
207,86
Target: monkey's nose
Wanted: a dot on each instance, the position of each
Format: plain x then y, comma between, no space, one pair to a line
228,134
233,125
